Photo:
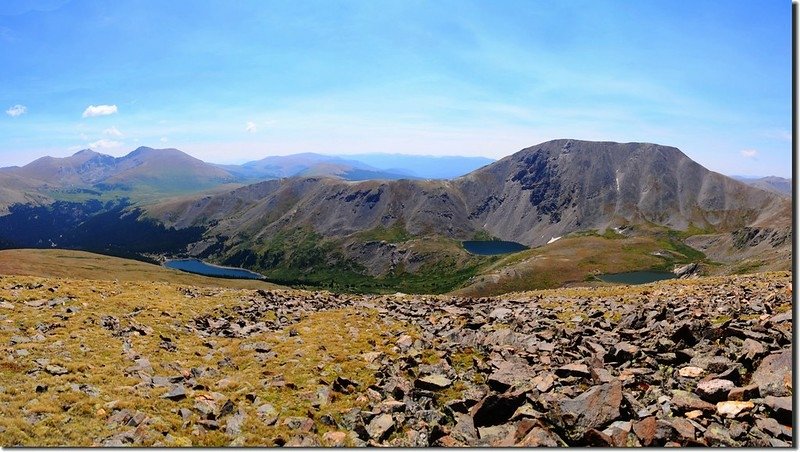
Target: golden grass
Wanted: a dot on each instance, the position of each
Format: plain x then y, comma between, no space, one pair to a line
82,265
327,344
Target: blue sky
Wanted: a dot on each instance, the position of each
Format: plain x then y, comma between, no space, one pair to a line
235,81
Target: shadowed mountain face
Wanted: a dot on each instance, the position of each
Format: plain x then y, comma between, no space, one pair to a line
539,193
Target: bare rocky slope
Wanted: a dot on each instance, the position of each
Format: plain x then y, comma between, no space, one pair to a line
698,362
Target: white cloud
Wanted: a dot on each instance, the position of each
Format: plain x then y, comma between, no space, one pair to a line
749,153
99,110
104,144
164,139
113,131
17,110
251,127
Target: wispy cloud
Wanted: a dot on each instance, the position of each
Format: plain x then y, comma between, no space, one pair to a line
113,131
7,35
17,110
779,134
99,110
251,127
104,144
749,153
164,139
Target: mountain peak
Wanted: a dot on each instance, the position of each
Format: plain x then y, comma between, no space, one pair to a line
140,150
144,151
85,153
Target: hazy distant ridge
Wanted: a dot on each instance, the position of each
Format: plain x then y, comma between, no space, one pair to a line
774,184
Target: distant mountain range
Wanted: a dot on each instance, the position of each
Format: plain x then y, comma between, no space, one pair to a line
774,184
346,224
147,174
359,167
144,173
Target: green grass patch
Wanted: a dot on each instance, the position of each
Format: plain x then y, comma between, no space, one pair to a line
611,234
484,235
395,233
747,267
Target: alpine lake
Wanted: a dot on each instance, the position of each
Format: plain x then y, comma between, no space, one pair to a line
202,268
492,247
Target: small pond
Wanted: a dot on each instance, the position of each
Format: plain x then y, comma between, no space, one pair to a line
492,247
201,268
637,277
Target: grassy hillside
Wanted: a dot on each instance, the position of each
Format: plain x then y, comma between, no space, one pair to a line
576,259
83,265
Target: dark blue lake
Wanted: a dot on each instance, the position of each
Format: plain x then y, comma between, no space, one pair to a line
492,247
637,277
202,268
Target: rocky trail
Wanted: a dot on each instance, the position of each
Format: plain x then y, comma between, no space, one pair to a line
695,362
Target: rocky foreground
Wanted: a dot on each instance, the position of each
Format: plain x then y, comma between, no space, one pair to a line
698,362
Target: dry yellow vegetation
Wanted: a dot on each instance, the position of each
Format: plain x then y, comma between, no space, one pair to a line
69,334
80,264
